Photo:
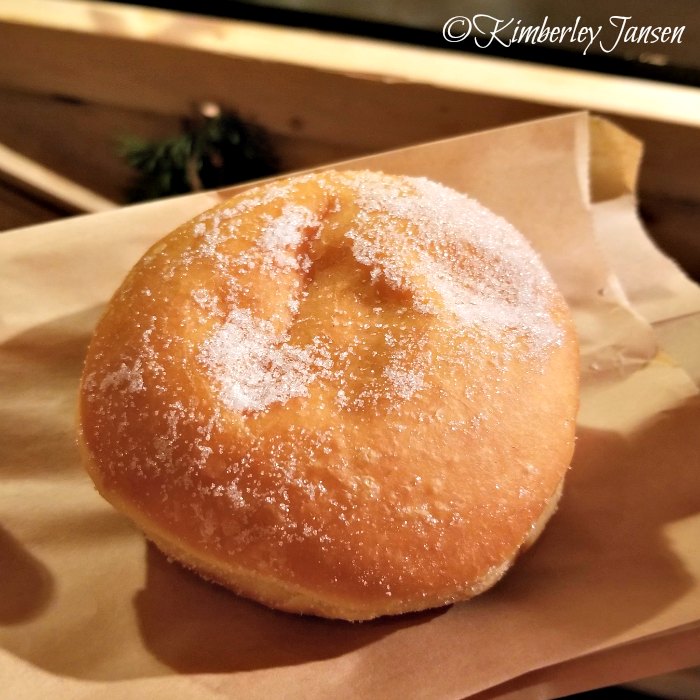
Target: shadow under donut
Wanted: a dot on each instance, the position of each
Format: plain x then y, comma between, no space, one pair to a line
195,626
26,586
606,563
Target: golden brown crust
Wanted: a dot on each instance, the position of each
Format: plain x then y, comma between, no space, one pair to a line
347,394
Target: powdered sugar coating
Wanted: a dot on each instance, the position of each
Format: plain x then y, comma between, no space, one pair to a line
418,235
282,236
415,235
255,366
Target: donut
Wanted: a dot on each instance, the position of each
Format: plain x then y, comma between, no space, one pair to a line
346,394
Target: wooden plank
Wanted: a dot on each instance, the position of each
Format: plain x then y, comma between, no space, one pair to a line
18,209
80,139
671,160
287,99
26,174
327,52
674,225
75,138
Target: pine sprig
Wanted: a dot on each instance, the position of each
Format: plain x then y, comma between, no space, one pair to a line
214,150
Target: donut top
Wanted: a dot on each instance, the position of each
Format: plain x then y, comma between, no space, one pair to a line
415,236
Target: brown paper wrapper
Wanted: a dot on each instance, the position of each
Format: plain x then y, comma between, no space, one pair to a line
88,609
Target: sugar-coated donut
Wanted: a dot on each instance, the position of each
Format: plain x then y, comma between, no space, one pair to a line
346,394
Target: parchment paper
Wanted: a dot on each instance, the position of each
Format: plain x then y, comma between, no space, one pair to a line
87,609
